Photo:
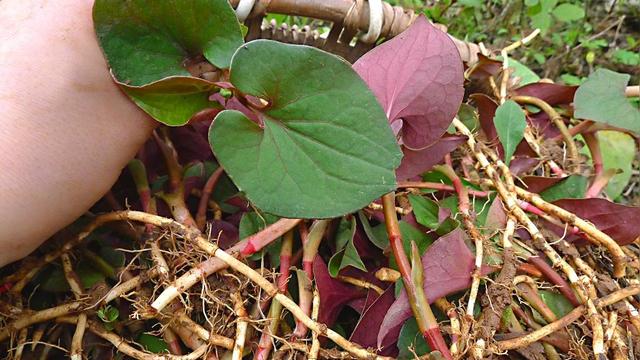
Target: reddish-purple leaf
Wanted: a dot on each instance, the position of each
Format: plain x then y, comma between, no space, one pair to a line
334,294
543,125
440,279
486,112
538,184
225,232
416,162
522,164
190,144
417,77
553,94
616,220
371,318
484,68
496,217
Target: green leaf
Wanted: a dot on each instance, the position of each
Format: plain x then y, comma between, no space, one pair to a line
541,21
548,5
618,152
573,187
147,44
253,222
324,148
510,124
601,98
174,100
346,253
411,338
146,40
469,117
568,12
558,304
570,79
152,343
108,314
368,229
626,57
526,75
425,211
409,234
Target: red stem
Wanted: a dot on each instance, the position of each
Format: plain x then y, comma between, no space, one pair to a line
285,261
554,278
201,215
258,241
596,155
574,130
434,338
395,236
419,304
556,170
530,208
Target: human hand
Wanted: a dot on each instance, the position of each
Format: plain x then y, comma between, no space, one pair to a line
66,129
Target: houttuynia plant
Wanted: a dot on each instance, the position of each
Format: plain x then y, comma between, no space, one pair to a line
320,145
307,137
401,182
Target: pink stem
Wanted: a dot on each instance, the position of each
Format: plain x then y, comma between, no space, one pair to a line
596,155
556,170
536,211
554,278
201,215
258,241
574,130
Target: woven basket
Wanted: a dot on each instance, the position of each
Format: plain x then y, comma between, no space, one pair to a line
356,25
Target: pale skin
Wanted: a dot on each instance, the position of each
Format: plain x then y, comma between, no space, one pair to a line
66,130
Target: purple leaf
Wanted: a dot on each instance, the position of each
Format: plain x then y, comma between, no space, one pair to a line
496,217
371,318
522,164
553,94
417,77
486,112
616,220
440,279
484,68
538,184
334,294
543,125
225,232
416,162
190,144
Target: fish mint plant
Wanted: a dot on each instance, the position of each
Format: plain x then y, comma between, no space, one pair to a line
320,147
305,137
366,204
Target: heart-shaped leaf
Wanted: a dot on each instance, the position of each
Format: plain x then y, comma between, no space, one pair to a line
324,148
417,77
601,98
147,44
